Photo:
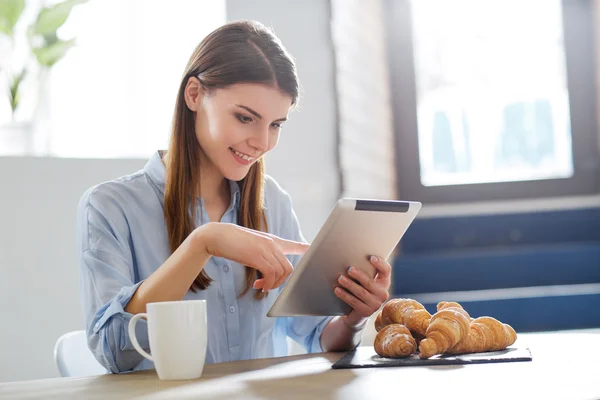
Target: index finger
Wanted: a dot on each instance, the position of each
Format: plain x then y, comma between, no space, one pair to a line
291,246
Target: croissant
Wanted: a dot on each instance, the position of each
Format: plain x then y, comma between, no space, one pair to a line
477,338
448,326
380,323
407,312
394,341
503,334
485,334
445,304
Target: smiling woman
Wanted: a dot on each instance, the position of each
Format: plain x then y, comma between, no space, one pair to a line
203,221
245,119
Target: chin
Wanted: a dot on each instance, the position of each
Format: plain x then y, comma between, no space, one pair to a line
236,171
236,175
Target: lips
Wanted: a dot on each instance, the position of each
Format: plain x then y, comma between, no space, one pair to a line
241,155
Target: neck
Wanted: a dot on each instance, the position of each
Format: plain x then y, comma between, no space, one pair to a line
213,185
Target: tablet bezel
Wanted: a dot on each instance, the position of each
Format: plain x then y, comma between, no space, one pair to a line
406,211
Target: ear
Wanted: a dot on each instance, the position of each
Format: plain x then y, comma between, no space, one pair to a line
193,93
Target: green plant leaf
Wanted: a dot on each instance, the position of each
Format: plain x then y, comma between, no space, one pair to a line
10,11
48,56
50,38
13,90
51,18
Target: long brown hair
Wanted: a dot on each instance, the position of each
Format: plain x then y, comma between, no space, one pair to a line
238,52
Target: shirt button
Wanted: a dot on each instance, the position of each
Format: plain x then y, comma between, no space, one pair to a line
231,309
226,268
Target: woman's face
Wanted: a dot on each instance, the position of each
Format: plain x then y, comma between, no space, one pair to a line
237,125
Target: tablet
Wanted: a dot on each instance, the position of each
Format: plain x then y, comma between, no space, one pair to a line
354,230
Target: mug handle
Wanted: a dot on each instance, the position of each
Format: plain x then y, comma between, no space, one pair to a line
132,337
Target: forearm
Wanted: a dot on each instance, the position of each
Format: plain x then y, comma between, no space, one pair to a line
173,279
340,334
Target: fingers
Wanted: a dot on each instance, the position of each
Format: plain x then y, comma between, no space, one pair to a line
291,246
275,267
359,292
264,252
286,266
270,268
286,246
278,259
384,269
361,308
280,271
378,290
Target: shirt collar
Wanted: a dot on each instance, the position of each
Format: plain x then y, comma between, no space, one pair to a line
155,169
234,188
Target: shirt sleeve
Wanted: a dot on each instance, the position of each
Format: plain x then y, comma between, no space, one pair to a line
304,330
107,280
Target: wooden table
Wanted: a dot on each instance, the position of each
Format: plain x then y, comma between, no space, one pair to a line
566,365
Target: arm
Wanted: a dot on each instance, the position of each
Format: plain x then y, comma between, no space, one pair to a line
342,335
172,280
110,293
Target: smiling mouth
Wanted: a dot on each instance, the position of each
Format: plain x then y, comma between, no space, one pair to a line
242,155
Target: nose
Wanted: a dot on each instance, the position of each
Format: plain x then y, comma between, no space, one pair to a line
260,140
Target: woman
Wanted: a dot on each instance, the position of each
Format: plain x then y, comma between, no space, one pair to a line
203,221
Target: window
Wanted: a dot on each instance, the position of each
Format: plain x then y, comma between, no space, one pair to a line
113,95
494,99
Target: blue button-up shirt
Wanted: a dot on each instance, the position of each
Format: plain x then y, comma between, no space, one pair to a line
122,240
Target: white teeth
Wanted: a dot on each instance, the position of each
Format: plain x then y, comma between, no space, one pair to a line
242,156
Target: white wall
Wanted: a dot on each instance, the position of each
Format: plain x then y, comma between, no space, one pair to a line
39,280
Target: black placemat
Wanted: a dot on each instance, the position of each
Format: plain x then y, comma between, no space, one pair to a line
365,357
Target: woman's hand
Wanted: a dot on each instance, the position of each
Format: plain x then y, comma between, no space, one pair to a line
262,251
364,294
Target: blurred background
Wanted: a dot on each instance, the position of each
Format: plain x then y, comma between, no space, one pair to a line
486,111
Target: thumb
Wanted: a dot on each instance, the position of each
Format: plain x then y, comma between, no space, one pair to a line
292,247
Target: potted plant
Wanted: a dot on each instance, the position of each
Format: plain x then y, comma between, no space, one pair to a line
29,48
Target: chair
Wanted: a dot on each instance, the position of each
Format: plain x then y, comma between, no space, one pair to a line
74,358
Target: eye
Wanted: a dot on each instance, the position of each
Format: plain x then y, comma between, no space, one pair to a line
244,119
276,125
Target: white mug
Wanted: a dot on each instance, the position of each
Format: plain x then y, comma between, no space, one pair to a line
177,334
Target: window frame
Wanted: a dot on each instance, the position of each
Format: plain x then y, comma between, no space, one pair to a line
580,51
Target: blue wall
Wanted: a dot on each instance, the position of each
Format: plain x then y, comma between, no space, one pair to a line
506,252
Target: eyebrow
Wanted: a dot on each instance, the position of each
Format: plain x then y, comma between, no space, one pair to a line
257,115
